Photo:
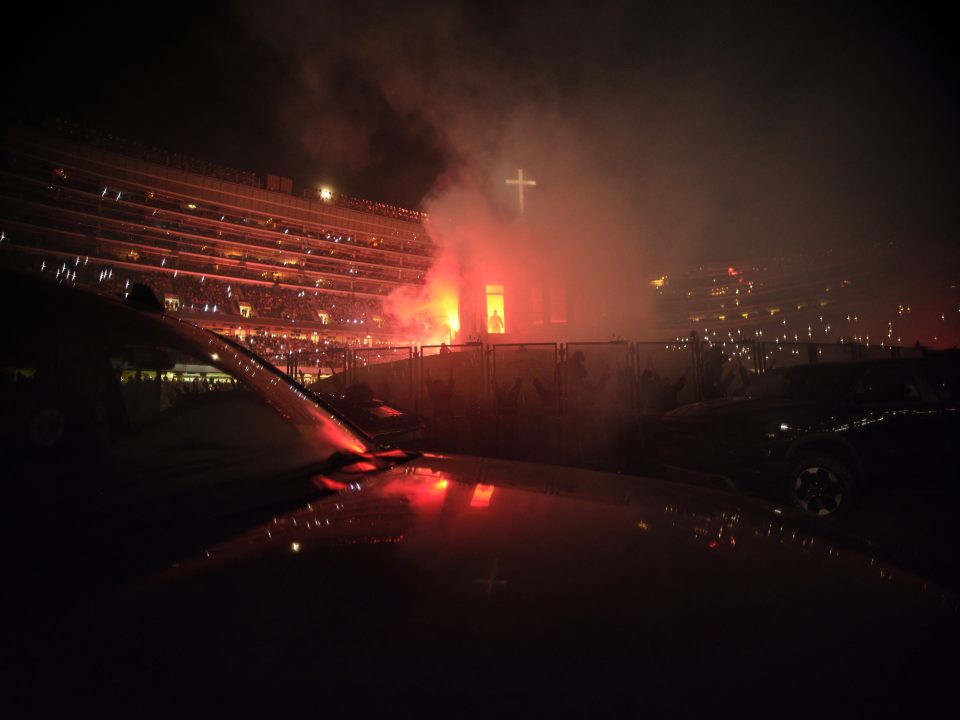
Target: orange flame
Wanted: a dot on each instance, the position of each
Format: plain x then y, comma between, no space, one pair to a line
430,314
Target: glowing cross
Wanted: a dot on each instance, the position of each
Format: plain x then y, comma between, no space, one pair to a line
520,182
492,580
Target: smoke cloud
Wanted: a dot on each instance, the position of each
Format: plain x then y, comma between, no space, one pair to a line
658,136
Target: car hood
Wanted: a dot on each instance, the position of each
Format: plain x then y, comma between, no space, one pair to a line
464,580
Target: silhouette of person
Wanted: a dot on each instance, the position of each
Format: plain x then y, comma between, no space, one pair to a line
715,385
441,394
650,392
577,375
580,391
495,323
547,395
670,390
443,428
444,350
506,398
577,372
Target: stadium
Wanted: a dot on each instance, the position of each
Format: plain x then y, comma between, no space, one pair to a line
221,247
308,281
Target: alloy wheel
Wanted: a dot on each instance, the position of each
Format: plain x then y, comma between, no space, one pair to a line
818,491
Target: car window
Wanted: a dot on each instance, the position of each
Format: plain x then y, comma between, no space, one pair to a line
118,404
888,383
944,377
183,411
813,383
158,380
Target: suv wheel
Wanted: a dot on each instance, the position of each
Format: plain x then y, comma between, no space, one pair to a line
821,485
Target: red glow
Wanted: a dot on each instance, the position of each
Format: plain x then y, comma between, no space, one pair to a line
733,541
325,483
430,314
713,545
426,491
481,496
361,466
731,272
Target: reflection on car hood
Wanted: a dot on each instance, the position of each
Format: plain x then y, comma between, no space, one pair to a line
426,502
463,579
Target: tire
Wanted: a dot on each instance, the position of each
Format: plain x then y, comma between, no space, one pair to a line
821,486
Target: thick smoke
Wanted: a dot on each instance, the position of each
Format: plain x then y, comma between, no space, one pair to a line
658,136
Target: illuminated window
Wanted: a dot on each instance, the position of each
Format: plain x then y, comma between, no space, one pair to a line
246,310
172,302
324,317
496,317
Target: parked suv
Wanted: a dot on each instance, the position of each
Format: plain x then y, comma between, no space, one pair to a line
821,435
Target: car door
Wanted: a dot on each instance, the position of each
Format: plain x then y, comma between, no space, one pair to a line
893,416
941,379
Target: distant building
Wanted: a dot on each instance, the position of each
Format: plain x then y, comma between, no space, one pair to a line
214,244
859,295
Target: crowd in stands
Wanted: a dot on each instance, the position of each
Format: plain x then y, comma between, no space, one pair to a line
197,293
305,305
310,351
378,208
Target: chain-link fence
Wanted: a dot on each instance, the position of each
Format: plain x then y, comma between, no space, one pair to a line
665,376
451,395
388,372
330,367
524,399
577,403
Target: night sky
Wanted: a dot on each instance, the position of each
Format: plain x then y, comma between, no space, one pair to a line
715,129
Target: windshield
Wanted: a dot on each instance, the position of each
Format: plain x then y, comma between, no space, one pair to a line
133,407
804,383
320,424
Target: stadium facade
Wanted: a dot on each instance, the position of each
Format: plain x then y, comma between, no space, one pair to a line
222,247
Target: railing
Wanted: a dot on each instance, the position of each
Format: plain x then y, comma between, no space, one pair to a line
574,403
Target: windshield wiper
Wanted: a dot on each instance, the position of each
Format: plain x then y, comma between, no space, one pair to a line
346,461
